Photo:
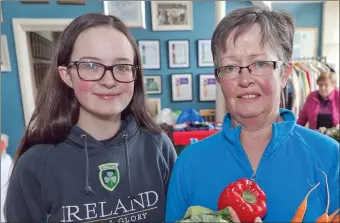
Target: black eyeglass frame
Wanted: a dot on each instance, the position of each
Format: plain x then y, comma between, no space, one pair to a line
110,68
276,64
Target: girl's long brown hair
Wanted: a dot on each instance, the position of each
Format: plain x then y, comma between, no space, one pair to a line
57,108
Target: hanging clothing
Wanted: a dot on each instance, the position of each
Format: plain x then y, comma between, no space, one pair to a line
301,83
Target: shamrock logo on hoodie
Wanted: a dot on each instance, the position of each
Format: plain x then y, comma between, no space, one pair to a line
109,175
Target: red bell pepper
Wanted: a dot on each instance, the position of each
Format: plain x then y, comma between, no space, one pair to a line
246,198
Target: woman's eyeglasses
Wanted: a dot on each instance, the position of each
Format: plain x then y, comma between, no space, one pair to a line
94,71
258,68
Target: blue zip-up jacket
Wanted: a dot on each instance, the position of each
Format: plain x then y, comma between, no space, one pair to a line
288,168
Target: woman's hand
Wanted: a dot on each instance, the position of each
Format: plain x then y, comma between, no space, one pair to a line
235,218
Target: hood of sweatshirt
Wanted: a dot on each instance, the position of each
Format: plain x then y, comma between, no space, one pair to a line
82,139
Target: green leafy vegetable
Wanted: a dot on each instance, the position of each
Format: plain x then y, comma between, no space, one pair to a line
202,214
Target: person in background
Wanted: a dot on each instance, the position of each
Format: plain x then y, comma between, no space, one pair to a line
91,152
321,108
6,166
252,49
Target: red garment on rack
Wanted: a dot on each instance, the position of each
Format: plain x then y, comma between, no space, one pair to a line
307,74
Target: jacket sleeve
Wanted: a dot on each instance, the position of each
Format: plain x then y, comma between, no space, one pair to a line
334,185
303,116
170,156
24,200
178,194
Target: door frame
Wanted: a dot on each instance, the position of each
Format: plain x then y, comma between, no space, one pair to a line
26,76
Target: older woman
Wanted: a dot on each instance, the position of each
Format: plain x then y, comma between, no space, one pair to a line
322,107
252,49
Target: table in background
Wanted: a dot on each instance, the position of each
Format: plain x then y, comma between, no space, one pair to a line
183,138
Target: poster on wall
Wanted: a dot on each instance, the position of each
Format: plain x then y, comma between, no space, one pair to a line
5,60
305,43
181,87
179,53
152,84
207,89
132,13
172,15
205,58
150,54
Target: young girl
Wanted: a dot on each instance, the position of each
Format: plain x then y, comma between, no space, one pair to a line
91,152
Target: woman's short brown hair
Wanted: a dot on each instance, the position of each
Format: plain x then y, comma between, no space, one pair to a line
277,28
327,76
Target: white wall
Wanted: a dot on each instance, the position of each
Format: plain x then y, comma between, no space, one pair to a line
330,38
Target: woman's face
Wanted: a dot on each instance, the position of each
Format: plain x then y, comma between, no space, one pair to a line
248,95
108,46
325,88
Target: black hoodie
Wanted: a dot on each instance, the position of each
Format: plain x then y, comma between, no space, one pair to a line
81,179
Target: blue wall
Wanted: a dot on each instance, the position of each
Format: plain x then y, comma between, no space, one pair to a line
12,120
307,15
12,117
203,29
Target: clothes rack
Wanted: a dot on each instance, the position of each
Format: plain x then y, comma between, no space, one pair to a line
302,81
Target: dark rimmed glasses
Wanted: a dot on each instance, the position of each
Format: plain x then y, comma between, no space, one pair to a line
94,71
258,68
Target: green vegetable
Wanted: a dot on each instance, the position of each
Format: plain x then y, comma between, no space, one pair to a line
202,214
196,210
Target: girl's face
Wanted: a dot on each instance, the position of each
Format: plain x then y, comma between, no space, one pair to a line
105,97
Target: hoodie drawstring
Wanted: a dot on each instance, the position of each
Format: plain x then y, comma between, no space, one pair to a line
87,189
128,166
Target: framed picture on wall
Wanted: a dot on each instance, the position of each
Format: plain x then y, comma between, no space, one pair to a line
171,15
305,43
132,13
153,106
5,60
181,86
35,1
72,2
205,58
152,84
150,54
207,87
179,56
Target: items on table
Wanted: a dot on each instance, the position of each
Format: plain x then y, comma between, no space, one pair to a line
195,126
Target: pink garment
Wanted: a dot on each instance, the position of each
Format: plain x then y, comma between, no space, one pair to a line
311,108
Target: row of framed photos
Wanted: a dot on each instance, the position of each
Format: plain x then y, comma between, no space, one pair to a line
182,86
75,2
178,53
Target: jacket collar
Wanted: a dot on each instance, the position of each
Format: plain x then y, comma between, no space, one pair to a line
280,130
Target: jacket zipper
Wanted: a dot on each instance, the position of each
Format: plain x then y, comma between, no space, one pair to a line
253,176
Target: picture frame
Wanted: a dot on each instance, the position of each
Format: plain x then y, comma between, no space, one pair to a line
5,59
35,1
207,87
179,53
150,54
305,43
132,13
153,106
172,15
152,84
181,86
72,2
204,54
